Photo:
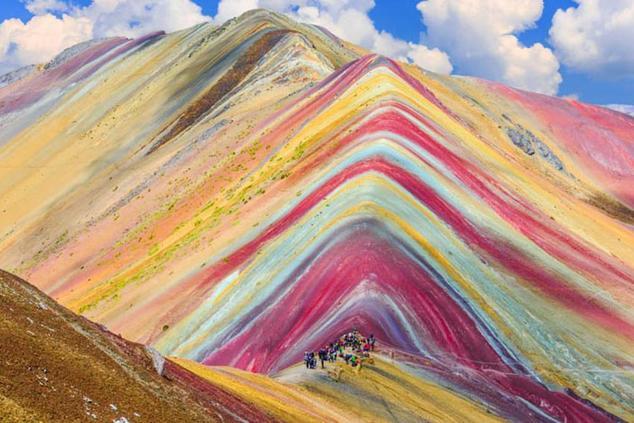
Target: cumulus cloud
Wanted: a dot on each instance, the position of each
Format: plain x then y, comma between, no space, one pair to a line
349,20
480,36
628,109
39,7
596,37
232,8
23,43
132,18
33,42
58,24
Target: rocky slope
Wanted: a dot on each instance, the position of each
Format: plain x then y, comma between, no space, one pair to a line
57,366
236,195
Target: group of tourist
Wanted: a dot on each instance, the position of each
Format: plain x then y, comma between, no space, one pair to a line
350,347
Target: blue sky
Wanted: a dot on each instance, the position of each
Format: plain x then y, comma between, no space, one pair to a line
403,21
399,18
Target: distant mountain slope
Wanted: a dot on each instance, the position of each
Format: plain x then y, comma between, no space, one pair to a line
236,195
60,367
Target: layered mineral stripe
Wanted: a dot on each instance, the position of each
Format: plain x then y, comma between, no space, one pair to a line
374,178
382,392
448,216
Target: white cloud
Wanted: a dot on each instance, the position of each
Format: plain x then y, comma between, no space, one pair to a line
231,9
480,37
596,37
132,18
349,20
438,60
58,24
623,108
22,44
40,7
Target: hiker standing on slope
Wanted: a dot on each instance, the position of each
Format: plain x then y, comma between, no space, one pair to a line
307,359
322,357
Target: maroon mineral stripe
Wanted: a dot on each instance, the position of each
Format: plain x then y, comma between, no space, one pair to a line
506,255
216,400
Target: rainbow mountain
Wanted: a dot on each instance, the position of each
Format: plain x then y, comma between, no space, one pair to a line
236,195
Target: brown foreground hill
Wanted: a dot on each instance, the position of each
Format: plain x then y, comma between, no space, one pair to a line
57,366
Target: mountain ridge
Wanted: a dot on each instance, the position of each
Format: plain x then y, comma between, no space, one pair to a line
327,189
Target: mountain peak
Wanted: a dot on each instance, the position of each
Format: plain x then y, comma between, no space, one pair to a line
239,195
